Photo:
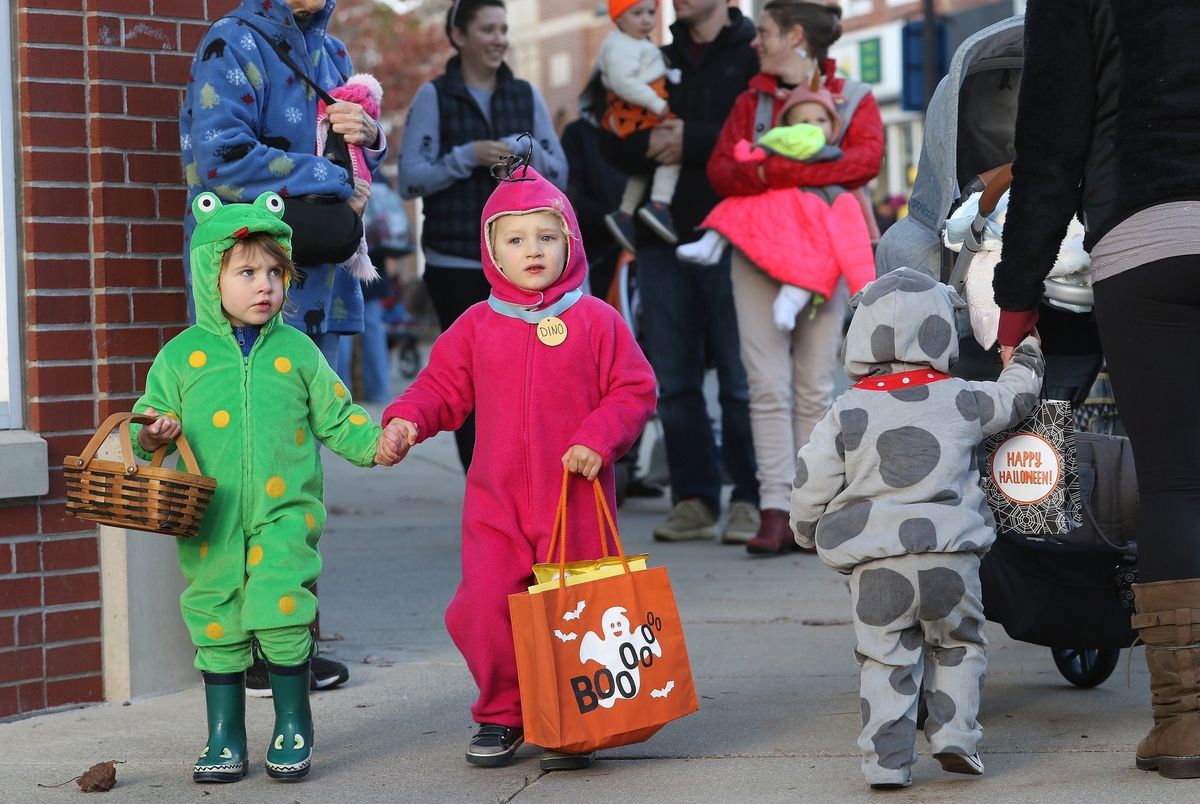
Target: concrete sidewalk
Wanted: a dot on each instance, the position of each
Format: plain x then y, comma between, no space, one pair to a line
770,643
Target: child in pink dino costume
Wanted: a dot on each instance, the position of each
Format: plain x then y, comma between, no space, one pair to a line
365,90
541,403
806,238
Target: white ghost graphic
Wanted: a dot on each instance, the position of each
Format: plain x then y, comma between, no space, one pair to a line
616,650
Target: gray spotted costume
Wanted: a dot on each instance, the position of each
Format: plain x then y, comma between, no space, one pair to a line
888,491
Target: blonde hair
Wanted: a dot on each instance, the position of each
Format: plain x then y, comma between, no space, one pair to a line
555,209
263,243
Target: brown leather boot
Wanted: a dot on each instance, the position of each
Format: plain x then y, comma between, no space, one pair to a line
1168,621
774,535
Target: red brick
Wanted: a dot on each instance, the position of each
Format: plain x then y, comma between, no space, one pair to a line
83,587
219,8
28,556
127,342
125,272
123,6
159,101
155,169
56,238
20,665
115,378
112,308
50,29
149,34
62,415
156,238
55,166
54,132
55,519
51,62
108,167
59,447
64,626
71,660
171,332
191,34
8,626
67,554
75,690
107,98
179,8
57,96
171,203
173,69
57,487
64,5
20,593
122,132
56,202
32,696
58,274
8,701
140,370
29,630
121,65
59,344
165,307
45,381
110,237
16,520
58,309
123,202
172,271
166,136
103,30
110,405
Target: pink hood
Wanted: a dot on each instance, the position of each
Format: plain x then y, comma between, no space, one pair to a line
518,197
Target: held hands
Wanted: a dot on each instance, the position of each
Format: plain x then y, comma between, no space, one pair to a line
745,152
358,199
163,430
1006,352
352,122
583,461
395,441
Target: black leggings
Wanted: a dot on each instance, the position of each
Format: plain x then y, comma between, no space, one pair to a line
1149,321
452,291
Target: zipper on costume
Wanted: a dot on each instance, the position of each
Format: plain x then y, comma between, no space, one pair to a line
247,452
525,434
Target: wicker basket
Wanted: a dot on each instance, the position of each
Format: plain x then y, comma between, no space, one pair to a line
126,495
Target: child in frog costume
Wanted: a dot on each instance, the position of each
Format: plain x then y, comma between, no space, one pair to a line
253,396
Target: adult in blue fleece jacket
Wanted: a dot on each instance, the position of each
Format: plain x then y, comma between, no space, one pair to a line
248,126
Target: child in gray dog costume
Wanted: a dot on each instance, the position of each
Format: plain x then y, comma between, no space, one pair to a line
887,488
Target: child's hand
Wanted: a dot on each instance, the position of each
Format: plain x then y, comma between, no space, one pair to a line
395,441
745,152
163,430
583,461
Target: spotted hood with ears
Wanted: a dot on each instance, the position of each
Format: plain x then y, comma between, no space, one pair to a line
529,192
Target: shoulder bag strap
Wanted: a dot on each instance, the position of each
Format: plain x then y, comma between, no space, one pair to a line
290,62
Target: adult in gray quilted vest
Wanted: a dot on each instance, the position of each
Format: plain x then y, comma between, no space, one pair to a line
888,490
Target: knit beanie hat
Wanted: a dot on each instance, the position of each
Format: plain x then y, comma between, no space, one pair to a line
822,96
618,7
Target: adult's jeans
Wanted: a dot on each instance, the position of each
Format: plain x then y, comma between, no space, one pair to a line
375,359
687,308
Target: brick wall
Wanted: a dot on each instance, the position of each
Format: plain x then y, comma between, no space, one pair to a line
98,86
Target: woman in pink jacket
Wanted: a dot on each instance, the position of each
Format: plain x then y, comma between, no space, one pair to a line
555,379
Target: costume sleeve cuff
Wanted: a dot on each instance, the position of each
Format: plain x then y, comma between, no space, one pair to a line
1015,325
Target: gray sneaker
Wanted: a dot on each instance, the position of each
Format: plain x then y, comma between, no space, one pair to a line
741,525
689,519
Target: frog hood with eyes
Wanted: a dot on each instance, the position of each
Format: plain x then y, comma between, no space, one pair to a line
218,227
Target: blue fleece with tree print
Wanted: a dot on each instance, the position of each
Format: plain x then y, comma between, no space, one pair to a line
248,126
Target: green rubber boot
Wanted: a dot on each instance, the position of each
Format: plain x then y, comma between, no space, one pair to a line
290,753
224,758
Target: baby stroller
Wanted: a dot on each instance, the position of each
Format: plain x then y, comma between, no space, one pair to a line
1071,594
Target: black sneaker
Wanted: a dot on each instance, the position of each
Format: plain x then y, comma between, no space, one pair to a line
557,760
258,680
657,216
622,228
494,745
326,674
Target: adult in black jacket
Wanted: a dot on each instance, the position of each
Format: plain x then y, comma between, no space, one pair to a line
1107,125
686,306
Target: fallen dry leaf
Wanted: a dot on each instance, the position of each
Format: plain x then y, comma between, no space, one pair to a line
100,778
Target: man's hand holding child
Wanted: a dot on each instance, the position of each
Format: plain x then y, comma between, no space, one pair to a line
164,430
395,441
583,461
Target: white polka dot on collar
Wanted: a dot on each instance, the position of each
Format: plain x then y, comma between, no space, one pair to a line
906,380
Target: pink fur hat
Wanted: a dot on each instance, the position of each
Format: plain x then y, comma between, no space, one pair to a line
363,89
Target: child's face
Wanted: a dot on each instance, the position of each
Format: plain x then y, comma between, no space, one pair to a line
638,21
251,286
530,249
812,113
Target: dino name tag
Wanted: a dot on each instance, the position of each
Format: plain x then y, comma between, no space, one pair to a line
551,331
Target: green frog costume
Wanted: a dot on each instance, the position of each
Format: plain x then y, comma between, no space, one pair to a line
252,422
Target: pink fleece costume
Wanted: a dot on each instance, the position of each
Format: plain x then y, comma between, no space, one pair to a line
532,402
795,235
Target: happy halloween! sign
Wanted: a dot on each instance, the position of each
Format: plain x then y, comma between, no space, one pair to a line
1025,468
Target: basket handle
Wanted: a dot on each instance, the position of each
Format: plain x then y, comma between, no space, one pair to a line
123,420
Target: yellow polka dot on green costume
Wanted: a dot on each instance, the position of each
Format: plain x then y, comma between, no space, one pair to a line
283,365
310,520
358,418
221,418
339,390
197,359
287,604
254,556
203,550
214,631
299,436
276,487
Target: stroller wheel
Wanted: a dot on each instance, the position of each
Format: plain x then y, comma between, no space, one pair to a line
410,360
1085,667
